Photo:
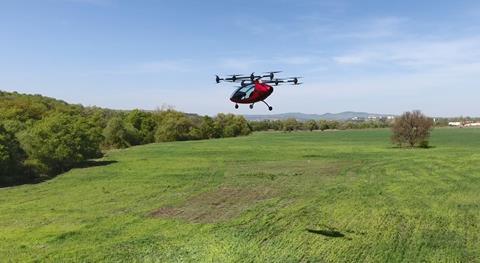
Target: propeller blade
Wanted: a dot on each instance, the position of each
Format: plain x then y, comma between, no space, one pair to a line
274,80
236,75
271,74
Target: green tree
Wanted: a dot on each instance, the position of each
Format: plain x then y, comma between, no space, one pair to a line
119,134
333,125
11,158
311,125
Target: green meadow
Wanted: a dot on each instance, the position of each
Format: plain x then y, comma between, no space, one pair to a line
337,196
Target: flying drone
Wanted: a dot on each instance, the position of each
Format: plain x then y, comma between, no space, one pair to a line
255,88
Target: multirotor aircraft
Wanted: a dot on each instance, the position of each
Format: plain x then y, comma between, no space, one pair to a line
255,88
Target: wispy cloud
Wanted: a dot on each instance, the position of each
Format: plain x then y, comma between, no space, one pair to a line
294,22
353,58
150,67
416,54
182,65
380,27
239,63
247,63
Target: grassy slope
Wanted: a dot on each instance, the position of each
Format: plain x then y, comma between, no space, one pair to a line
388,204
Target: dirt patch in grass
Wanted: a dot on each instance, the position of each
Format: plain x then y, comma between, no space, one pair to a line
220,205
166,212
275,169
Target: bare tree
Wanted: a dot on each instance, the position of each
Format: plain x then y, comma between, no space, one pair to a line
412,128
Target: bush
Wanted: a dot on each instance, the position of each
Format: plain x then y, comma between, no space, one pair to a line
423,144
144,123
264,125
412,128
59,142
333,125
207,128
311,125
174,127
323,125
229,125
290,124
236,126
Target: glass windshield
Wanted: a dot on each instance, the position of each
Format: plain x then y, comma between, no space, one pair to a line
244,92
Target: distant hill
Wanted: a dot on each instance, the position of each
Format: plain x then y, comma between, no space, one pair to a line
347,115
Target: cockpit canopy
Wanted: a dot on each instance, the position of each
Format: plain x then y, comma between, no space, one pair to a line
243,93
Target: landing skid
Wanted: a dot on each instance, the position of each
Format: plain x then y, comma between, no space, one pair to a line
270,108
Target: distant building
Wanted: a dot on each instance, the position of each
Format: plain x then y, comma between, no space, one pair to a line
455,123
464,124
473,124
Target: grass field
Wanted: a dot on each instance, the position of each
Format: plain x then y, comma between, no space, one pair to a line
344,196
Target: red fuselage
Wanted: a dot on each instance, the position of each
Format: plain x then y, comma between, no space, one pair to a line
252,93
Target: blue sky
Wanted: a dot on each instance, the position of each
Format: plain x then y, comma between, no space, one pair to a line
375,56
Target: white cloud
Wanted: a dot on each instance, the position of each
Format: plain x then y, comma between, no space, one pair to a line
420,55
351,59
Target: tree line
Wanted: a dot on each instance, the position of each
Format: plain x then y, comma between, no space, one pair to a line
41,137
409,129
291,124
